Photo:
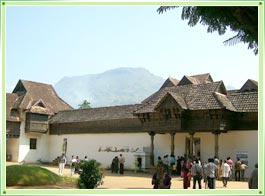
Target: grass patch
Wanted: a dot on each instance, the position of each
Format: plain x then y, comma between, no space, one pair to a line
29,175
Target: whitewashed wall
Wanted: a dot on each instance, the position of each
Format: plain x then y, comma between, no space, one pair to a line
93,146
12,146
240,141
229,144
32,155
89,144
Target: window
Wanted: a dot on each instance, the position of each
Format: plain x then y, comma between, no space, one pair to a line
32,143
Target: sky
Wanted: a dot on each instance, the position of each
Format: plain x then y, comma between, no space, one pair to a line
47,43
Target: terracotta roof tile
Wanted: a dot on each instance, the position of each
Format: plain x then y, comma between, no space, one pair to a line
10,100
95,114
244,102
196,97
34,91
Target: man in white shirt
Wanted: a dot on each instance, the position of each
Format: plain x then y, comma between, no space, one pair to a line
225,173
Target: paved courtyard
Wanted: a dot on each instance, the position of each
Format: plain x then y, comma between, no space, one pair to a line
130,180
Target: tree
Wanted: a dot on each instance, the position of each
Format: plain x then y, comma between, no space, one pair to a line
84,105
91,175
243,20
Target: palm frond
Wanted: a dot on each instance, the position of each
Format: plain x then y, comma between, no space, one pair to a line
234,40
163,9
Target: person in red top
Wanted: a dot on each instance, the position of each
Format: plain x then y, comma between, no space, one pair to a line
230,162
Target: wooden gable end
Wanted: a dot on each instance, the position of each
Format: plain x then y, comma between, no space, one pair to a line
184,81
221,89
249,86
20,89
169,107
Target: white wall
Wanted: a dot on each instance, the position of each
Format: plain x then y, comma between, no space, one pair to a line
12,148
240,141
32,155
90,145
230,143
162,144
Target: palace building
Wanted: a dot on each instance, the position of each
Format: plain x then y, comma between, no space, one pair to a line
194,116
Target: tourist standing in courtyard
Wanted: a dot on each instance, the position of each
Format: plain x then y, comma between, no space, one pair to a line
158,176
211,169
243,168
62,162
121,161
186,175
225,173
172,162
196,171
72,165
86,159
237,169
230,162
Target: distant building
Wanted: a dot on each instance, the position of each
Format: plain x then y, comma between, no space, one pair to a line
194,116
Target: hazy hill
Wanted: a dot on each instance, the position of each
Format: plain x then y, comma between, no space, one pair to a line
114,87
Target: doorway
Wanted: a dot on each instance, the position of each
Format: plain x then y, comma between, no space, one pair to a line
196,147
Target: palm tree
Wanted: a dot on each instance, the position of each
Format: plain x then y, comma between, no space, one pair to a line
84,105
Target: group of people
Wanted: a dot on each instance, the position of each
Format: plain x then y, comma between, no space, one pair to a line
117,164
209,172
215,169
62,160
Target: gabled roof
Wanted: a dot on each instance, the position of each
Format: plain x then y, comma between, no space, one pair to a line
10,100
40,107
196,97
95,114
179,100
31,92
224,101
249,86
196,79
170,82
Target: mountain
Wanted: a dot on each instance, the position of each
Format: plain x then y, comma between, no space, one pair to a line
114,87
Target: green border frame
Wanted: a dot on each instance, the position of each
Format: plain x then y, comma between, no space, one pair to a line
260,191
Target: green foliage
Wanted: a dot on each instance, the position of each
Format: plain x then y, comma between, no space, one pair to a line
84,105
243,20
28,175
91,175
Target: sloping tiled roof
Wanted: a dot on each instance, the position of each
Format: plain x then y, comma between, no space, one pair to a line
202,78
170,82
176,97
35,91
244,102
196,97
10,100
224,101
95,114
196,79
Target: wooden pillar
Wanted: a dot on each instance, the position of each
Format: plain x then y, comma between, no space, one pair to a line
172,146
216,142
191,143
152,159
